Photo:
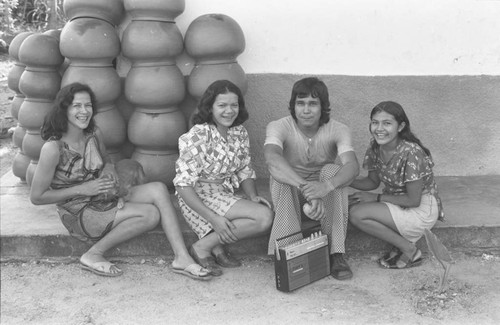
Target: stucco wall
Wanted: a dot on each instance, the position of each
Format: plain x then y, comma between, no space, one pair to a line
362,37
439,59
457,118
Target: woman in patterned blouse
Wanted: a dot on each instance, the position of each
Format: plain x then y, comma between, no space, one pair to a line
409,203
214,160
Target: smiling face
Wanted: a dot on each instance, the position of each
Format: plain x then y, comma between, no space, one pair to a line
225,110
385,129
308,111
80,111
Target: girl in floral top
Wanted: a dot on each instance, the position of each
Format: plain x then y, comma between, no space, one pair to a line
409,203
214,160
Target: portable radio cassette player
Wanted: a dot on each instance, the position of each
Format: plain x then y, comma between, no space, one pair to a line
301,262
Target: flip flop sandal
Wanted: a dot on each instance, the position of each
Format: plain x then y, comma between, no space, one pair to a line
101,268
194,271
404,261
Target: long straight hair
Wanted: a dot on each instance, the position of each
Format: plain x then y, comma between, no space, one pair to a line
399,114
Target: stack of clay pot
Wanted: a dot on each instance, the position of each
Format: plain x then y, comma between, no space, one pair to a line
214,41
91,43
40,83
21,161
154,85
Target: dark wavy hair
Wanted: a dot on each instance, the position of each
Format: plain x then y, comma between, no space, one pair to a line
315,88
56,121
399,114
205,106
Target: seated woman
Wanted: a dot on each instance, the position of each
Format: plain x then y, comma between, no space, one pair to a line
74,170
214,159
409,203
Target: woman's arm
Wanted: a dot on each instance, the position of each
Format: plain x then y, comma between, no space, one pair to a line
409,200
367,183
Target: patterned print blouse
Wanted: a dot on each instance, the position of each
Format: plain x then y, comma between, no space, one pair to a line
205,154
409,163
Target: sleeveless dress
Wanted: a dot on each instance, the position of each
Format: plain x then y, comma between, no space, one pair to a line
86,218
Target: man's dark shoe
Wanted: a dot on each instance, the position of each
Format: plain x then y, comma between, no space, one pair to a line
339,268
226,260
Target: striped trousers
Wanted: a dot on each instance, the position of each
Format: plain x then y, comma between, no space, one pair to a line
288,203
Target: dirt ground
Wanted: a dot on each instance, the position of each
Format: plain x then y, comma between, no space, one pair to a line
59,292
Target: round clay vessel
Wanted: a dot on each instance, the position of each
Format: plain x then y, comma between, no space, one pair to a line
20,165
104,82
111,11
203,75
214,38
15,44
91,41
39,50
146,40
160,10
156,131
154,84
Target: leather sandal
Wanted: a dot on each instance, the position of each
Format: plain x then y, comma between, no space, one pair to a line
226,260
206,262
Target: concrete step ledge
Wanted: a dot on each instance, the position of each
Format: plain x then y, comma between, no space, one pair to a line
28,231
154,243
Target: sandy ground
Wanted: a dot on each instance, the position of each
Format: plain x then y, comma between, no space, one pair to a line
55,292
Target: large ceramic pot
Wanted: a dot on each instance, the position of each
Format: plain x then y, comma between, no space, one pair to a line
39,50
152,40
104,81
32,144
154,84
108,10
14,75
89,41
156,130
161,10
20,165
214,38
113,127
18,136
17,101
54,33
13,84
40,83
203,75
158,165
33,112
15,44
